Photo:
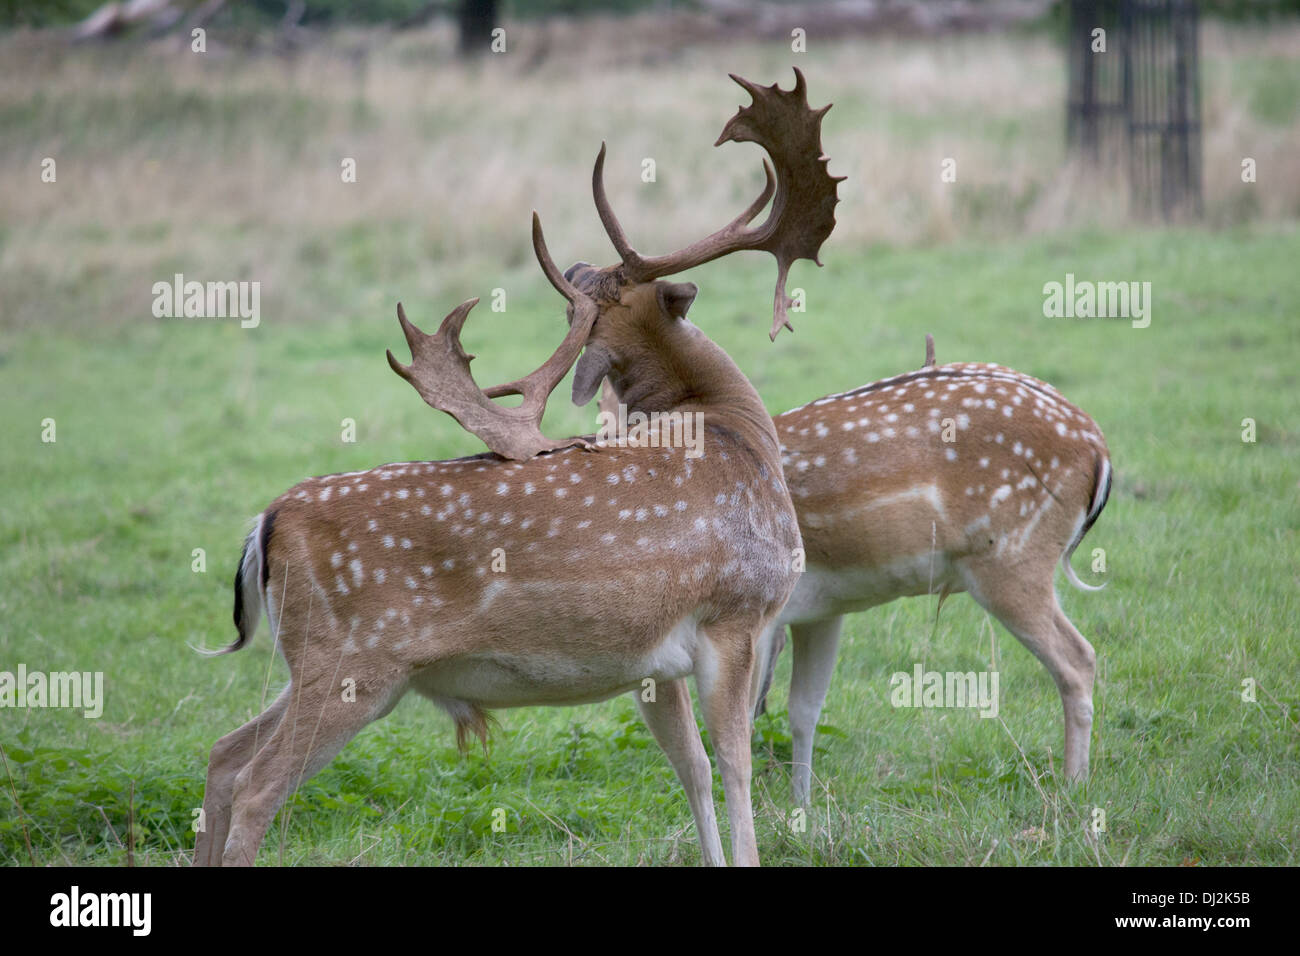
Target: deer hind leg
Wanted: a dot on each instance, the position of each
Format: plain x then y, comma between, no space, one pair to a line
317,724
724,678
1027,607
816,644
671,719
770,646
230,754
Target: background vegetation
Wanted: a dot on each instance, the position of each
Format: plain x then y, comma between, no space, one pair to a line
172,433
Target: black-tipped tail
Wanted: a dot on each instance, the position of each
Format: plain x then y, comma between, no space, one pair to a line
1100,495
250,583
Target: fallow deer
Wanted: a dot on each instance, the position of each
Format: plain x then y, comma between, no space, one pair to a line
545,572
888,508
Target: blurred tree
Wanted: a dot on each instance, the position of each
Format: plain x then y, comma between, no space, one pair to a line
477,20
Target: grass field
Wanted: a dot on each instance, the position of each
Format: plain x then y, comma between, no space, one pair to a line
172,433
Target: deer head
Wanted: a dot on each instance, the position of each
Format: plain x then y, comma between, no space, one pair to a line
632,323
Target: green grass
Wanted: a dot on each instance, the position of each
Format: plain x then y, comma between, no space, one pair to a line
173,433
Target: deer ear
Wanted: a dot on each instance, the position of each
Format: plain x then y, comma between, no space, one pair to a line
675,298
591,368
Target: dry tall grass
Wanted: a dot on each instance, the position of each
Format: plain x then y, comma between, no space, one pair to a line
166,156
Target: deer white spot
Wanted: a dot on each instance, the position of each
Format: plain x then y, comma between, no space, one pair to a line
406,543
848,426
388,541
660,511
1006,411
984,462
403,493
822,430
873,437
324,494
336,560
608,538
851,455
426,510
339,585
1003,492
357,571
950,454
701,524
680,506
380,575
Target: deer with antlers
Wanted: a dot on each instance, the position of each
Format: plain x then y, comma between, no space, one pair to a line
545,572
962,477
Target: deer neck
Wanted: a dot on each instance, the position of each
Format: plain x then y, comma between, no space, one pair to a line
685,371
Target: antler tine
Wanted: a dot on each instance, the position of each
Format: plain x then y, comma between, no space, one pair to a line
631,261
802,192
439,371
539,385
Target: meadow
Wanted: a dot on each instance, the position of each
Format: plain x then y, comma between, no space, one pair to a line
173,433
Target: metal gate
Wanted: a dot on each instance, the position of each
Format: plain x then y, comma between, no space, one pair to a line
1138,103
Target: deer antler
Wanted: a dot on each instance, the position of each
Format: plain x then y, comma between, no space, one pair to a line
803,212
439,371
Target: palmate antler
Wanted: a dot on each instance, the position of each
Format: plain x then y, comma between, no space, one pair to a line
439,371
803,212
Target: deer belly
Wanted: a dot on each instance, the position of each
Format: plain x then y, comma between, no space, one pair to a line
826,592
558,675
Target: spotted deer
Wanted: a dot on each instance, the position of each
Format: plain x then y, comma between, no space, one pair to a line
962,477
546,572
